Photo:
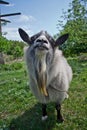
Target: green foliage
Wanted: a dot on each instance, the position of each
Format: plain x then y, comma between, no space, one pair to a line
3,43
9,47
15,49
19,110
72,49
76,26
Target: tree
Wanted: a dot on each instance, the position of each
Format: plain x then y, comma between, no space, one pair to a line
76,26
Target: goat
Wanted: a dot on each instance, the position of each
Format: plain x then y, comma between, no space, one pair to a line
48,70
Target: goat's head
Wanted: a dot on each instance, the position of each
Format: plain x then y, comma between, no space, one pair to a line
42,42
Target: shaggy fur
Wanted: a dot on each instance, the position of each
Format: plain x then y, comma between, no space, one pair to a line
59,75
48,70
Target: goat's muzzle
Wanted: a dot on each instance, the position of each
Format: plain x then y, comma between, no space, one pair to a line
41,47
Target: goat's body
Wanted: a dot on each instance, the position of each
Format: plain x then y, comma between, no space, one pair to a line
48,70
57,72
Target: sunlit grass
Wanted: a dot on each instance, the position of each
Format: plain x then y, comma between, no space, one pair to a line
19,110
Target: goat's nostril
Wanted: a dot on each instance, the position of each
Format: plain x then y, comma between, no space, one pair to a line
42,41
45,41
39,40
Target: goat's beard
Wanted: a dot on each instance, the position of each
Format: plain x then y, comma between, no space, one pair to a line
41,75
42,83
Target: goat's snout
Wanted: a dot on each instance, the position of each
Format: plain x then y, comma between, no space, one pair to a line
41,44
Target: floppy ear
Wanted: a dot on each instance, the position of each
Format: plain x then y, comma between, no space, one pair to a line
61,39
24,35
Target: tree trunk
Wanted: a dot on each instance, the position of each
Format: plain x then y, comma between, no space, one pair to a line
1,58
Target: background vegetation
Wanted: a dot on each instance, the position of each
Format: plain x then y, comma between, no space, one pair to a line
12,48
76,26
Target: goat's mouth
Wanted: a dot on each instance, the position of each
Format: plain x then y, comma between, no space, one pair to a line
41,47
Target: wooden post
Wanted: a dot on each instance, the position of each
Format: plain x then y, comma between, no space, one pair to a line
1,58
0,27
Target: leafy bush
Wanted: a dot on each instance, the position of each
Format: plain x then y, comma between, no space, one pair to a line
73,49
80,48
9,47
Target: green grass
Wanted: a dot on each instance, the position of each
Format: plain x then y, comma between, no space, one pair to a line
19,110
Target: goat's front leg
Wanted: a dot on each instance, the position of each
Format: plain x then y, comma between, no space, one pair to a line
44,112
59,115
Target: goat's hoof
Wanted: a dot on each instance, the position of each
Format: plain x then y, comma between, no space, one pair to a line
61,120
44,118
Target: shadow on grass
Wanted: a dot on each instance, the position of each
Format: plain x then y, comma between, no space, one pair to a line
31,119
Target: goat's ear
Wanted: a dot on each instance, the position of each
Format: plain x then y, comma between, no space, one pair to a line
24,35
61,39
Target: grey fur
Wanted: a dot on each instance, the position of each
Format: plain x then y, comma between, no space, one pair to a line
46,63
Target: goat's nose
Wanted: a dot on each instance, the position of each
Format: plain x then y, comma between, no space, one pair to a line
42,41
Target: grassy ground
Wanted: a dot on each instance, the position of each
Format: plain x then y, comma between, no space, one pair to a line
19,110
